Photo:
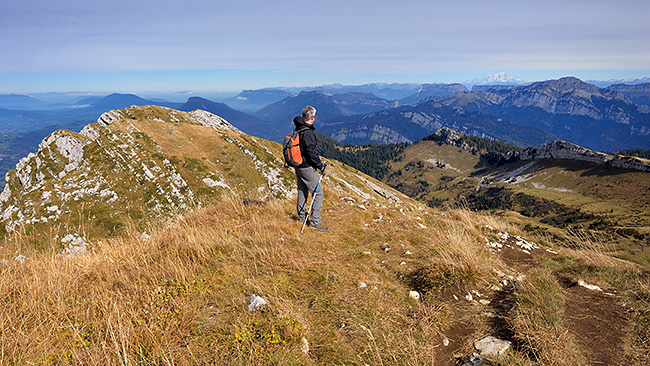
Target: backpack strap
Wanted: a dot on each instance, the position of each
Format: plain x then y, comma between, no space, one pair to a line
303,128
300,144
300,131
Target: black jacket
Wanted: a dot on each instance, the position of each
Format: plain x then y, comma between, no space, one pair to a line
308,144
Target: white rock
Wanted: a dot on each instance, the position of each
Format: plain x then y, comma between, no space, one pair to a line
74,245
109,117
6,193
256,303
491,346
304,347
586,285
212,120
20,258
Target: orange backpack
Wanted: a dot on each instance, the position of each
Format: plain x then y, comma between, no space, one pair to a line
291,148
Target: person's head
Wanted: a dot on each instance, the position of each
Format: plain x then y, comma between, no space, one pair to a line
309,114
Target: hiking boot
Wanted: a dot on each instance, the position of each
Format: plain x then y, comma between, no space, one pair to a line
318,227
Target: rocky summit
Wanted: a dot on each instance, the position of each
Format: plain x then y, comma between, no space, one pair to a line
146,164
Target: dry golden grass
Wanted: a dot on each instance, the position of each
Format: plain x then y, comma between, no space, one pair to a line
180,297
537,321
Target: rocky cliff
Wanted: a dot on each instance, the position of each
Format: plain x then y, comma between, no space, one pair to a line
599,119
377,134
434,91
556,150
639,94
564,96
569,151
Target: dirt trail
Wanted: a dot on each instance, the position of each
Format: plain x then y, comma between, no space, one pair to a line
597,319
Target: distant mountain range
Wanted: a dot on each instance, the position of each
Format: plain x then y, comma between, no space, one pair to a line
250,101
638,93
501,107
411,123
338,104
606,83
17,101
433,90
391,91
568,108
329,107
599,119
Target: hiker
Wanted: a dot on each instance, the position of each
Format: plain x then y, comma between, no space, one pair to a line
307,173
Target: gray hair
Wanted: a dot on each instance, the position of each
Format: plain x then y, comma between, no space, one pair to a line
308,112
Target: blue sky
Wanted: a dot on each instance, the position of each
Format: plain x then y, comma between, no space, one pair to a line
207,46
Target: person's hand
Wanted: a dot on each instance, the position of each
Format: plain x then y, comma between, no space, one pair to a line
323,170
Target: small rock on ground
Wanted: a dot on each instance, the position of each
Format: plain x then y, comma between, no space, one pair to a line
491,346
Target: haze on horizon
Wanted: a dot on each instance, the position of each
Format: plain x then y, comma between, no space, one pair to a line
201,45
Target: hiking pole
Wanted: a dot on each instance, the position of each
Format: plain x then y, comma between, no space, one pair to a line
313,197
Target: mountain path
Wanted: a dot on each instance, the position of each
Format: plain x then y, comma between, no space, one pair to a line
597,319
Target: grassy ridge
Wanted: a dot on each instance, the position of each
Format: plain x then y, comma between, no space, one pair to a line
180,297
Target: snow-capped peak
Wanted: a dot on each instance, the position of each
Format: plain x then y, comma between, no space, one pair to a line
498,78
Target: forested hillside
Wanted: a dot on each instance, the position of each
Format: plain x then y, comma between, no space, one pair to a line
371,159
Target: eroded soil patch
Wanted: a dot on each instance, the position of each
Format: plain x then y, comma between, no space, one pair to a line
597,319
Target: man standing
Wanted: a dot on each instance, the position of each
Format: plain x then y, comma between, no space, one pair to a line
307,176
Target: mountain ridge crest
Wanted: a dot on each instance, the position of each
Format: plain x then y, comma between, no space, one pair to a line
150,163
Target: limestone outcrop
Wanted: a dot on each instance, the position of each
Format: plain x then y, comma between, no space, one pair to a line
568,151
